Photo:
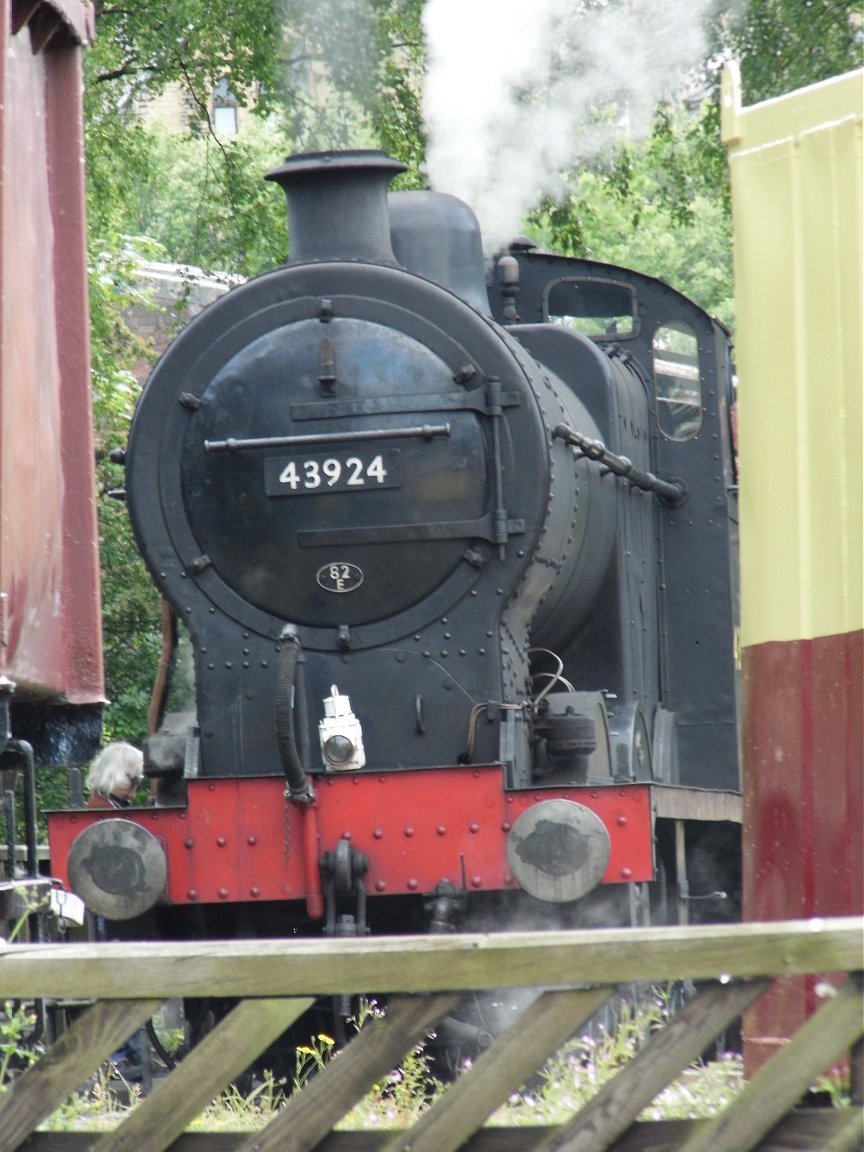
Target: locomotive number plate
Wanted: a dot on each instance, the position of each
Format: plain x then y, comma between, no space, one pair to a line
338,472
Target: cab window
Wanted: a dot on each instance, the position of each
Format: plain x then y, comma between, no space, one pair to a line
677,381
602,309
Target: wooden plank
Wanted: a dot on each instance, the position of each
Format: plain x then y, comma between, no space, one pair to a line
501,1070
21,853
776,1087
688,1033
224,1053
800,1132
804,1131
378,1048
90,1040
674,802
849,1138
298,967
856,1072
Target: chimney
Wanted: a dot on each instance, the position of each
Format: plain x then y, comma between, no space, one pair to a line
337,205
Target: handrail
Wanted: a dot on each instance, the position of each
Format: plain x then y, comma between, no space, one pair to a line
465,961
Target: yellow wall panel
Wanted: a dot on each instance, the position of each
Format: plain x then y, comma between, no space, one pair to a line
796,167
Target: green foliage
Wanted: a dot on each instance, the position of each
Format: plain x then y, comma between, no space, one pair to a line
662,206
652,208
140,48
352,76
19,1045
148,196
580,1069
585,1064
52,786
396,113
132,627
236,1111
399,1099
789,44
131,612
403,1095
311,1058
17,1026
96,1107
205,201
702,1090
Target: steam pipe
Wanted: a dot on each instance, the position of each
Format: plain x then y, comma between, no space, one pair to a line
165,672
290,697
300,789
337,205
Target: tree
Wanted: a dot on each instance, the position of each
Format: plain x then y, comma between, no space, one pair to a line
662,206
787,44
346,72
650,207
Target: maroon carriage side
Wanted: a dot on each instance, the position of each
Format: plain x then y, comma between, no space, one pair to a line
50,630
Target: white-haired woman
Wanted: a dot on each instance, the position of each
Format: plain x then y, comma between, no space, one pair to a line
114,776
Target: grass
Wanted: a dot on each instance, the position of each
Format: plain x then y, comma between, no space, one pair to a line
562,1087
580,1069
95,1108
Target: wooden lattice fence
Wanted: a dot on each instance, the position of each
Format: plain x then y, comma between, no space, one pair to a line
275,981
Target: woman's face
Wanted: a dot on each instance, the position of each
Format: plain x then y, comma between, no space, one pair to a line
127,787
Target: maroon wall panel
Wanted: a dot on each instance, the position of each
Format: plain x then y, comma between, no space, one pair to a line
50,638
804,801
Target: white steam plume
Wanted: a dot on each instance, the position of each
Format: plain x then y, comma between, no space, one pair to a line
517,91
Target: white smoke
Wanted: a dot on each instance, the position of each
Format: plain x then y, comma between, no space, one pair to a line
518,91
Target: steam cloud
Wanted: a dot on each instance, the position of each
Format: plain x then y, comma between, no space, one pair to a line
517,91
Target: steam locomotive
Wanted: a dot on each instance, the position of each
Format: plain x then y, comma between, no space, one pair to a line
454,549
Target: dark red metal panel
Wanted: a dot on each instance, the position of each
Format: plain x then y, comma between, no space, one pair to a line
803,847
240,840
418,827
50,640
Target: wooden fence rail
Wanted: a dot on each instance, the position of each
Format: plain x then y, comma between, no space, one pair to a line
276,981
